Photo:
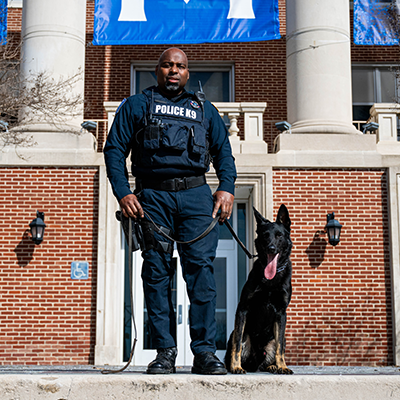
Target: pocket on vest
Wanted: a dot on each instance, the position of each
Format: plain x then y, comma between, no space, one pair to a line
198,139
175,137
151,138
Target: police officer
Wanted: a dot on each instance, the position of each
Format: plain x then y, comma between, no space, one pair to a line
172,135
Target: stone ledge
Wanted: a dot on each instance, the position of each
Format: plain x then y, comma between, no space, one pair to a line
309,142
307,383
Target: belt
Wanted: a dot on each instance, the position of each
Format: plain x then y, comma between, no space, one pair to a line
172,185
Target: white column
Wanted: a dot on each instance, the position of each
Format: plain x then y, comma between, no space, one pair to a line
318,66
53,34
110,280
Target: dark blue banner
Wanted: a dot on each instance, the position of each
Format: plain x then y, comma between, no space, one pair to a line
3,21
376,22
184,21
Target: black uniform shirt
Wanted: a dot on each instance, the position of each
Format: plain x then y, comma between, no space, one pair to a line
131,118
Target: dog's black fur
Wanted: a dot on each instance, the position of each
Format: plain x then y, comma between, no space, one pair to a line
257,342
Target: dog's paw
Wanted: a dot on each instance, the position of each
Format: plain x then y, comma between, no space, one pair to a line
284,371
238,370
272,369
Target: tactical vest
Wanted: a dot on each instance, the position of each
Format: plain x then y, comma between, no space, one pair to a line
174,135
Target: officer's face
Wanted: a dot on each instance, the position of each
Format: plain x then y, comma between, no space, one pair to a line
172,72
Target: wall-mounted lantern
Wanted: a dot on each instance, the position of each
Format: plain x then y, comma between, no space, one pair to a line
333,229
37,228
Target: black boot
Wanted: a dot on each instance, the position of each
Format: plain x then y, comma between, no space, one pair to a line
164,363
207,363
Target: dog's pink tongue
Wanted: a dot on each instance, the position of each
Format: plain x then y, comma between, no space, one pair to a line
270,269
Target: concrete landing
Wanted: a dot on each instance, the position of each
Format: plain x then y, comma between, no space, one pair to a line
87,382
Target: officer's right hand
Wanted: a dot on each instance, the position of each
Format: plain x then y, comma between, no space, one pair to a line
131,207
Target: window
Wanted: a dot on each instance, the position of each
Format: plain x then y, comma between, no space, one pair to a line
216,79
372,84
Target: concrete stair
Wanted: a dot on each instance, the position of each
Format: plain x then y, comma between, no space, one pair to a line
87,383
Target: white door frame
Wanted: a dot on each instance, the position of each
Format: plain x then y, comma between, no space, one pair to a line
110,271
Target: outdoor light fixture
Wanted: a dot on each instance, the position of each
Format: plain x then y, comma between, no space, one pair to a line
89,125
283,126
370,127
37,227
333,229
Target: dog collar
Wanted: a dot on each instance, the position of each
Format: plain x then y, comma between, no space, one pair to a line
282,268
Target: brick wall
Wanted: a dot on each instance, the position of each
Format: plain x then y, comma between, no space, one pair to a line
45,317
14,18
340,312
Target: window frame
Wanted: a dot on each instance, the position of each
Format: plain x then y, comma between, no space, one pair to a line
198,66
377,82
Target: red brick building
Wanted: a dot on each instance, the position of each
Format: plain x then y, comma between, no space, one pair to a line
343,309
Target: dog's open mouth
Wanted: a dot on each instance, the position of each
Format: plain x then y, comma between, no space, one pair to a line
270,269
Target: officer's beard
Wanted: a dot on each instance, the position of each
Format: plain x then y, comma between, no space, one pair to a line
172,87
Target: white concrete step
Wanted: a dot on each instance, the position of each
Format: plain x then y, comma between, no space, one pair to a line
307,383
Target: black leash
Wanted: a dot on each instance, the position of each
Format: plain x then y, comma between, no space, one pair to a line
205,233
233,233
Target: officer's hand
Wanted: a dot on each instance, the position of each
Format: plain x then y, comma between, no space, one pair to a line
224,201
131,207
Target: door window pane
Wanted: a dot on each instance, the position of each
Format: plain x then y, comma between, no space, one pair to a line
220,315
242,258
127,308
224,233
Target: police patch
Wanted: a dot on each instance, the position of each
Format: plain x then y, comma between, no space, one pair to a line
119,107
194,104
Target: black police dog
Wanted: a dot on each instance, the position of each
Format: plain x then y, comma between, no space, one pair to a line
257,342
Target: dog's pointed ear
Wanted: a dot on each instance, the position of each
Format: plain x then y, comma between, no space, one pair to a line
283,217
259,218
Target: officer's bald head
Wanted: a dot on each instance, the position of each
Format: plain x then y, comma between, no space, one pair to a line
172,72
165,53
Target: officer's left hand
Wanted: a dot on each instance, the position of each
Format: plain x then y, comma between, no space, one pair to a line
224,201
